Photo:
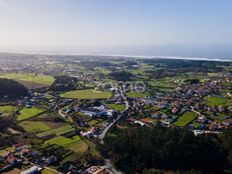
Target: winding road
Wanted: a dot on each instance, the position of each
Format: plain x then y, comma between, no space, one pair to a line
108,165
107,128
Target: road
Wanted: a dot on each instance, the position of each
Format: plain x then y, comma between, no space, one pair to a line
60,112
108,165
107,128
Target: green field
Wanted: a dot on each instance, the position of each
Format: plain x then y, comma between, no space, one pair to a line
93,122
34,126
117,107
46,171
217,101
75,144
42,79
165,84
185,119
7,109
137,94
63,141
59,130
86,94
26,113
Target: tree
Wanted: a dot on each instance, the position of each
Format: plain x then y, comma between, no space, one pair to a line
12,89
64,83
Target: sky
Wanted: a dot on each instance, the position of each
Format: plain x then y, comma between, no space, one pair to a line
171,27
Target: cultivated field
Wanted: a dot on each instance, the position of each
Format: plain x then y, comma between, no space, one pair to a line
34,126
59,130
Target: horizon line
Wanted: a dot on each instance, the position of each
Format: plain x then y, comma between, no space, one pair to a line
121,55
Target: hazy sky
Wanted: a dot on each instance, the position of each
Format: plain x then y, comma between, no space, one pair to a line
91,24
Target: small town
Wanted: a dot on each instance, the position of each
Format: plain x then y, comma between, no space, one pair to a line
58,129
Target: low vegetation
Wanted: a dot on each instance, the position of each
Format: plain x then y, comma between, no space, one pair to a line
27,113
86,94
185,119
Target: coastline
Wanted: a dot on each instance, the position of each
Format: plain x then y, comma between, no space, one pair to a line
123,55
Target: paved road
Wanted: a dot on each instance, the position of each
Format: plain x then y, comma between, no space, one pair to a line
108,165
107,128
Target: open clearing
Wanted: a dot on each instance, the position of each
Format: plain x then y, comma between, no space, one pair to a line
86,94
217,101
185,119
26,113
137,94
36,78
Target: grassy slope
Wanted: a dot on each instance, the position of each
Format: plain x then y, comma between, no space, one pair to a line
42,79
26,113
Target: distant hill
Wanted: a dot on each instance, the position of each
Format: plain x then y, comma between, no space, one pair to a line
12,89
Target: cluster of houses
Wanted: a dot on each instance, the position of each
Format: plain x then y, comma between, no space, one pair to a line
167,107
21,156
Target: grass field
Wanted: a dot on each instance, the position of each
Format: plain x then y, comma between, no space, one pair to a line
117,107
7,109
46,171
93,122
185,119
34,126
75,144
63,141
40,79
137,94
59,130
26,113
163,85
86,94
217,101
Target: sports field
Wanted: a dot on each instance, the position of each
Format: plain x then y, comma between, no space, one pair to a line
86,94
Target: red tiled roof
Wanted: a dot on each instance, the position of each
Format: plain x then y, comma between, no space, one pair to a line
19,145
144,120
